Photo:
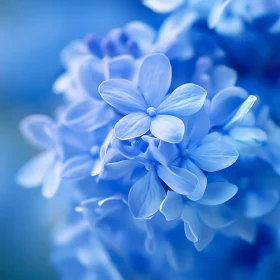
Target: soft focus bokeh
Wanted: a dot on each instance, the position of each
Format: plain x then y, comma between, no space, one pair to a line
32,34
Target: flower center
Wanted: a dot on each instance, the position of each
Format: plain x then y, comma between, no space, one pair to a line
152,111
185,153
135,143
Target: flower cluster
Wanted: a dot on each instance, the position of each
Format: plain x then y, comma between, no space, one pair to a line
170,138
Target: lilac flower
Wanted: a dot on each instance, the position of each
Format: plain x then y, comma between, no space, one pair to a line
146,107
44,169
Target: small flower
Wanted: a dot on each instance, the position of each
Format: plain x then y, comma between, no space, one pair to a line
146,107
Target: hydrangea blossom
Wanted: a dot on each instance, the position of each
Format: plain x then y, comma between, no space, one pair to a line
171,139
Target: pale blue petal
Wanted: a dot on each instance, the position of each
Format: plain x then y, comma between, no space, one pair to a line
39,130
163,6
196,231
169,152
141,33
218,193
120,67
89,74
183,101
121,168
259,203
154,78
222,78
146,195
77,167
196,128
248,135
52,180
202,181
32,173
167,128
241,112
225,103
172,206
132,126
214,156
217,12
122,95
88,115
178,179
218,216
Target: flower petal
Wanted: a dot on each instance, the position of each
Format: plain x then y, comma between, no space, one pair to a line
223,77
259,203
39,130
132,125
77,167
167,128
218,193
122,95
141,33
172,206
214,156
52,180
202,181
241,112
120,67
248,135
178,179
225,103
215,216
162,6
32,173
88,115
146,195
216,12
196,231
183,101
155,78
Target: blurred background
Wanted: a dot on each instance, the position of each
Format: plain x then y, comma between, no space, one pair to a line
32,34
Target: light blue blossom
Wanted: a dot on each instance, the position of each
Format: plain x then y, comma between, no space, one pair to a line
146,108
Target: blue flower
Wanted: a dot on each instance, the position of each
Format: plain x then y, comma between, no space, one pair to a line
146,107
44,169
204,216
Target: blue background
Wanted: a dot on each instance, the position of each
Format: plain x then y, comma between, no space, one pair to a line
32,34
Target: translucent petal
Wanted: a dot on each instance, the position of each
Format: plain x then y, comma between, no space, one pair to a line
52,180
222,78
163,6
241,112
217,12
202,181
154,78
120,67
172,206
218,193
259,203
183,101
214,156
77,167
145,196
178,179
122,95
196,231
218,216
32,173
132,126
88,115
39,130
225,103
248,135
167,128
141,33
